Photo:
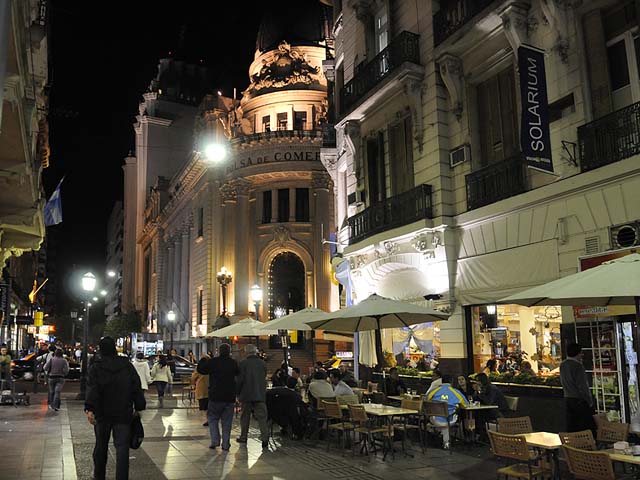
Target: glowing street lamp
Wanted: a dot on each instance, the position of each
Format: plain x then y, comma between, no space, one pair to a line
111,274
103,293
215,152
88,282
171,316
224,278
256,298
88,285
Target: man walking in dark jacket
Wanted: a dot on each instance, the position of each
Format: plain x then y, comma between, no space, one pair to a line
113,392
252,388
222,371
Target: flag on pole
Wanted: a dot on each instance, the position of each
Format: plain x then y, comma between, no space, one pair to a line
53,208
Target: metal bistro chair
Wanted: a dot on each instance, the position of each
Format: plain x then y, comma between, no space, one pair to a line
347,399
333,412
407,425
515,425
367,430
587,465
514,447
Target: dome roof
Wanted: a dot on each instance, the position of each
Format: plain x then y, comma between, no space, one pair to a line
299,22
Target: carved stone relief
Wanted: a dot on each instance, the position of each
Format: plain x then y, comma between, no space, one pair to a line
516,24
452,76
413,89
281,235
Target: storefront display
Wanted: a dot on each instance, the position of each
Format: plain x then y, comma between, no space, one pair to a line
513,334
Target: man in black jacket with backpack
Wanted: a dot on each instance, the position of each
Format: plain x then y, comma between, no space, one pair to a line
113,393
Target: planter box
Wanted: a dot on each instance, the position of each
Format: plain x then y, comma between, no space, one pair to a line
544,404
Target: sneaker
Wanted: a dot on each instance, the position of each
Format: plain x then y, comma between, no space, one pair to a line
226,448
447,446
213,447
241,440
205,424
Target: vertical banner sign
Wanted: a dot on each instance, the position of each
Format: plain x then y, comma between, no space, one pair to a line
4,303
535,136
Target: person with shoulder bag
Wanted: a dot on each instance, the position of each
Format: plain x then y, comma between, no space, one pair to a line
161,377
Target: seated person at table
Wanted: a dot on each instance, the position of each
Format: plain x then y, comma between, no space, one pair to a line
295,374
464,386
286,408
279,377
339,387
423,364
436,380
393,384
526,368
347,376
318,367
488,394
454,397
319,387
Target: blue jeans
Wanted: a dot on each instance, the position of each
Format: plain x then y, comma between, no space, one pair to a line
55,387
220,412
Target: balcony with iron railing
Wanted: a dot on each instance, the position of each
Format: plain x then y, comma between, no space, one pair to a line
393,212
403,48
496,182
610,139
453,15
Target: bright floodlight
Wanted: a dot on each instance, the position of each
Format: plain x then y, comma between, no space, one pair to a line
88,282
95,299
103,293
215,152
88,305
111,274
256,294
171,316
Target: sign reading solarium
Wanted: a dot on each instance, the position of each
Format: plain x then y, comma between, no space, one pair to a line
535,137
279,156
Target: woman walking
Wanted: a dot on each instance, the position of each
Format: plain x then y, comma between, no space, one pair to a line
201,383
161,377
142,367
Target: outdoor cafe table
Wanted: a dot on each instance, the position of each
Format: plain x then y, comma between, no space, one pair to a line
549,442
469,411
399,398
386,412
622,457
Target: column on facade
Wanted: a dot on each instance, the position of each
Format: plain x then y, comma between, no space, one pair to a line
274,205
168,292
177,259
184,277
322,257
242,280
228,237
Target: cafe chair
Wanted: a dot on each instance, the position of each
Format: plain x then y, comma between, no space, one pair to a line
588,465
611,432
411,422
319,418
366,430
333,412
582,440
347,399
514,447
437,409
514,425
379,397
512,403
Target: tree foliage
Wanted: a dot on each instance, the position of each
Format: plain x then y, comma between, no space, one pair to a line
123,325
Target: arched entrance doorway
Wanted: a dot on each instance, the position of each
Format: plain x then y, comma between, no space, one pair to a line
286,283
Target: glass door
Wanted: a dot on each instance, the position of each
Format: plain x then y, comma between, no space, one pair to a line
628,334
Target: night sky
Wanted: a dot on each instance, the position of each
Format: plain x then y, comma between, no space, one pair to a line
102,61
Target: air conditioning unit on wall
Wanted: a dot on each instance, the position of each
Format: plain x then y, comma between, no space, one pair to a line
459,155
625,235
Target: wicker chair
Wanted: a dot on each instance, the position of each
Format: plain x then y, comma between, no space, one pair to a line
514,447
436,409
515,425
582,440
347,399
612,432
587,465
333,412
411,422
367,430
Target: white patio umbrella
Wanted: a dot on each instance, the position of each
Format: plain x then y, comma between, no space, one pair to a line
616,282
377,313
296,320
247,327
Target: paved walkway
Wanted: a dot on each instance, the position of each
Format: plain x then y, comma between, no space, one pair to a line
38,443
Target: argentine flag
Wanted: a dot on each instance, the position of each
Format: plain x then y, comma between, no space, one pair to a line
53,208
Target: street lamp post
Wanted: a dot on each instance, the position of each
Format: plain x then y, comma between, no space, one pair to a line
224,278
256,298
171,316
88,285
281,312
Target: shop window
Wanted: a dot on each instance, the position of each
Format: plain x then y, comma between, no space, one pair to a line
283,205
266,123
282,121
302,204
512,335
266,206
300,120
